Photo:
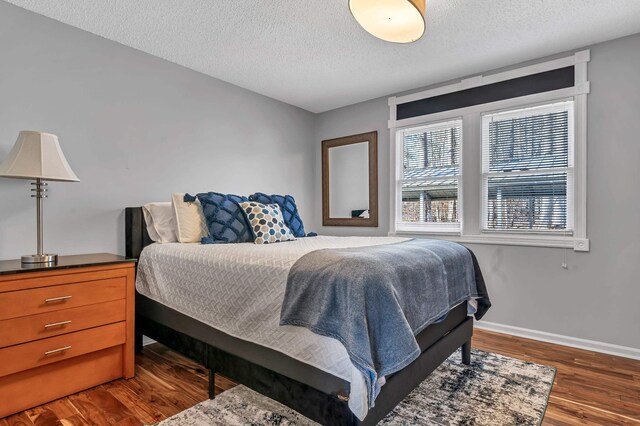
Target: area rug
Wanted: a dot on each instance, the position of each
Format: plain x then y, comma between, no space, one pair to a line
494,390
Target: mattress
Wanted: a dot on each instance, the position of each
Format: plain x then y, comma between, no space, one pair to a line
239,289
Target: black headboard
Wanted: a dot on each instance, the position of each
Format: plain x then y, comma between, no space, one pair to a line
135,229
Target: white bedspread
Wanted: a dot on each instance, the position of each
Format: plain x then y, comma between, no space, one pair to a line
239,289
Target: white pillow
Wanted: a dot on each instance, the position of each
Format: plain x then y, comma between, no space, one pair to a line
161,223
191,225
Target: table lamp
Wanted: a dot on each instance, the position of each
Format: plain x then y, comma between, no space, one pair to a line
37,155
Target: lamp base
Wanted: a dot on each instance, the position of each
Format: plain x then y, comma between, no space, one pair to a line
40,258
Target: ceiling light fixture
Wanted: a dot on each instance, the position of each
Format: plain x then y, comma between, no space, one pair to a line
397,21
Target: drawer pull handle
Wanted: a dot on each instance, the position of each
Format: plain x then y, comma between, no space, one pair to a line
55,351
57,324
57,299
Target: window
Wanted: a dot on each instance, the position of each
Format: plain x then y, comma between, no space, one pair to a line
430,175
494,159
527,169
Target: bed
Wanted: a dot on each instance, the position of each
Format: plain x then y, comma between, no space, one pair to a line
294,371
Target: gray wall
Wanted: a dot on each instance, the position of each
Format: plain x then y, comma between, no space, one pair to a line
350,120
597,297
134,128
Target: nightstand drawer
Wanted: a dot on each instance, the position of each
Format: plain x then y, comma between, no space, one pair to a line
21,303
34,387
25,329
14,359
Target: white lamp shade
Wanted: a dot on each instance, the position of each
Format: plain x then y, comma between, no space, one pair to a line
37,155
398,21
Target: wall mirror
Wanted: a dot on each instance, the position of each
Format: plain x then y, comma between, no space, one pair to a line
350,180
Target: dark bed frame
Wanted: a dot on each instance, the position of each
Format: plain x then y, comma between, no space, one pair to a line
314,393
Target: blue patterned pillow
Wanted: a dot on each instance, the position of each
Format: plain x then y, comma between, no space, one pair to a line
267,223
225,219
288,207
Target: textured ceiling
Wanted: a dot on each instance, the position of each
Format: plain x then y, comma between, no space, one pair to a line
314,55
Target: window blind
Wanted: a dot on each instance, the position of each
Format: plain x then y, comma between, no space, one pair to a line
430,174
528,169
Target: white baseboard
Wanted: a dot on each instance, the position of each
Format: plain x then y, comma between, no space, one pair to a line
147,341
558,339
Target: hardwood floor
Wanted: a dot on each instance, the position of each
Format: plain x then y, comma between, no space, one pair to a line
590,388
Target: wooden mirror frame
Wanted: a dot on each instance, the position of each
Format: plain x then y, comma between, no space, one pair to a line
372,139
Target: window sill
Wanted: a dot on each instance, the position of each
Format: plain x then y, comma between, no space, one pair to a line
577,244
431,228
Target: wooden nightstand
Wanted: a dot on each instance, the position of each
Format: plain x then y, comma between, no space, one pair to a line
64,328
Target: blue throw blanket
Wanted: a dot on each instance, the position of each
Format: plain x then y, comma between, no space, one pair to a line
375,299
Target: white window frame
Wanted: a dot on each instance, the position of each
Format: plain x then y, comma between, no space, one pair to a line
559,106
451,228
470,193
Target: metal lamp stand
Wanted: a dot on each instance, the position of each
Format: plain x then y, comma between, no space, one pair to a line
40,257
